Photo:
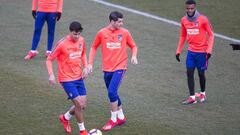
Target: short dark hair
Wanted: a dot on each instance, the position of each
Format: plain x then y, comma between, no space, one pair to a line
75,26
115,15
190,2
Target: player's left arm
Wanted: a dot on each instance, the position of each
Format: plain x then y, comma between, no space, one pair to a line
60,6
131,43
84,61
210,33
59,9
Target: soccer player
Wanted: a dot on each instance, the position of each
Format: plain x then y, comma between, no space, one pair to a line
197,30
44,11
114,40
70,53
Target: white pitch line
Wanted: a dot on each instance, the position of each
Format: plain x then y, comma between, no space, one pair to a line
158,18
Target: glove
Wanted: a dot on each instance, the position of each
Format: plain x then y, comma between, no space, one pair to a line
177,57
58,16
208,56
235,46
34,14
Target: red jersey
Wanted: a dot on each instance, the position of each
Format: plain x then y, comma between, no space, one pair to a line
71,55
198,33
47,5
114,45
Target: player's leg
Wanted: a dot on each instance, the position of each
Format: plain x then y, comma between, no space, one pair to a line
65,119
202,80
68,115
77,93
80,105
191,83
51,21
81,102
117,77
113,120
190,64
72,92
39,22
202,64
115,80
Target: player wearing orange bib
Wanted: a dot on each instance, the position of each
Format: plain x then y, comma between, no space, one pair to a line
197,30
114,41
70,53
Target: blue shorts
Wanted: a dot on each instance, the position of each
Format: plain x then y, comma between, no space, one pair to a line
113,81
74,88
197,60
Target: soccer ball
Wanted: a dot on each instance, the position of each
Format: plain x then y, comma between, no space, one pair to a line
95,132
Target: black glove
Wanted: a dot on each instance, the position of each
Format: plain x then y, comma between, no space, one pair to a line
208,56
34,14
58,16
177,57
235,46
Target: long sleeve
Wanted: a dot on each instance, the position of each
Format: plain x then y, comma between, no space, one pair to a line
210,37
51,58
60,6
34,5
131,43
93,49
84,56
182,38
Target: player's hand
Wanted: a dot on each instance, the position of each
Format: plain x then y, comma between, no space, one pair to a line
177,57
208,56
58,16
134,60
51,79
34,14
90,68
85,73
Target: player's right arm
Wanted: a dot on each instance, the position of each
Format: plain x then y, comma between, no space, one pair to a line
34,5
34,8
49,64
93,51
182,38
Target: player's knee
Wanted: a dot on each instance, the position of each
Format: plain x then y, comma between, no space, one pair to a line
113,96
83,107
201,73
51,32
37,30
80,105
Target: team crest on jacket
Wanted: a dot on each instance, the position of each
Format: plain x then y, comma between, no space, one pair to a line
196,24
119,37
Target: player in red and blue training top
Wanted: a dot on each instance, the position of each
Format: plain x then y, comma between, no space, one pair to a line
114,41
44,11
197,30
70,53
